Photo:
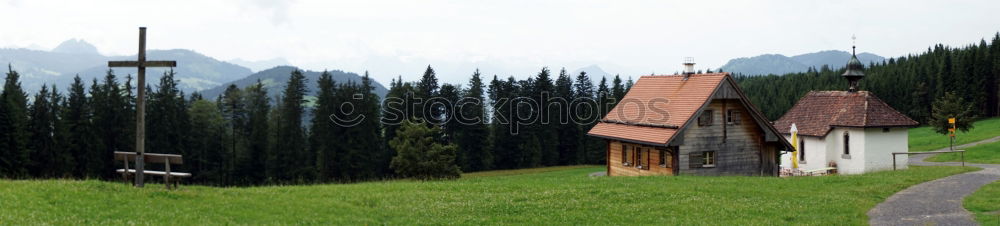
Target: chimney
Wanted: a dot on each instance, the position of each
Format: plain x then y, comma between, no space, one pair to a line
688,67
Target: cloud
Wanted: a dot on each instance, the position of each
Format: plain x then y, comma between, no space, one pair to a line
13,3
277,8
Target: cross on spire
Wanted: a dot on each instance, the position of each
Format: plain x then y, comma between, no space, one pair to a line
854,44
140,103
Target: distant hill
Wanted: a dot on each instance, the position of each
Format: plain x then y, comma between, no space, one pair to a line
780,64
260,65
194,70
72,57
593,71
274,80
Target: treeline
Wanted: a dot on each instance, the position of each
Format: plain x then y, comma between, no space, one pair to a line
910,83
340,134
507,123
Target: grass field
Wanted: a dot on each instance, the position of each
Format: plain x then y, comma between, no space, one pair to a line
985,204
983,153
925,139
562,196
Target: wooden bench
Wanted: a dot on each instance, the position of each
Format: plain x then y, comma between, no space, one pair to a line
165,159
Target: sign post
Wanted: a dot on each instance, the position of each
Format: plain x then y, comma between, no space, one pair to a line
951,133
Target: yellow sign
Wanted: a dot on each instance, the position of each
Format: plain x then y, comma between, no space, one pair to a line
951,120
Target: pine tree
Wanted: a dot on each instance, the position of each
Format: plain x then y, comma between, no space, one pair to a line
474,139
506,151
76,116
167,115
451,94
546,130
568,134
62,162
421,155
952,106
427,89
111,123
42,143
205,158
258,106
292,162
322,135
586,113
617,89
13,128
232,106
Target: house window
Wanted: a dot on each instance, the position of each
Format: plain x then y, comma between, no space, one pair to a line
847,143
802,150
733,117
706,118
708,159
665,158
643,154
885,130
626,157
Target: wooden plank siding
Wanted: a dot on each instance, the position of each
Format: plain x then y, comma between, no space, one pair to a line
618,168
737,146
743,147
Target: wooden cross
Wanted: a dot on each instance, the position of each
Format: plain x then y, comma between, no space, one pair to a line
140,103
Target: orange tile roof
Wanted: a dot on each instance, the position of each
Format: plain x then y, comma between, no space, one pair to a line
668,100
819,111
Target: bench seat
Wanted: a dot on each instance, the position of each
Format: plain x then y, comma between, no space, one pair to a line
158,173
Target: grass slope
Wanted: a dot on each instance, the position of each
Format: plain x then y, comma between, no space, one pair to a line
985,204
925,139
566,196
983,153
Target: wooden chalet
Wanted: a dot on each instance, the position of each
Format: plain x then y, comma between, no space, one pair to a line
693,124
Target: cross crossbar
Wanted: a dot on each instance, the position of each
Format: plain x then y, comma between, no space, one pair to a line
142,63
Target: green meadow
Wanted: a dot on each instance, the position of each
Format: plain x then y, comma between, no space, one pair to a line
985,204
925,139
558,195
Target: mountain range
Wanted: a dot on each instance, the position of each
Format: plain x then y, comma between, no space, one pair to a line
780,64
195,72
274,80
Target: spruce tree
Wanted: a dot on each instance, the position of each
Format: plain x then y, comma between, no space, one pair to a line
568,131
14,128
42,143
474,138
952,106
205,160
322,134
63,165
546,130
427,90
258,106
421,155
232,106
586,112
80,136
292,162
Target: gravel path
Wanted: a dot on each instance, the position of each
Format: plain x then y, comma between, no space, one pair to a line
937,202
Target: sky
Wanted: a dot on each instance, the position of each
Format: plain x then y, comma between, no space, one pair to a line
505,38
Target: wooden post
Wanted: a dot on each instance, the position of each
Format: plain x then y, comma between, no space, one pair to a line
140,113
166,177
140,109
894,162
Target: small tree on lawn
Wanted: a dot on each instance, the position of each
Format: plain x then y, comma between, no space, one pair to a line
951,106
419,155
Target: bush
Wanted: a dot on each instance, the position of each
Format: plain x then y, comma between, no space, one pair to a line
419,155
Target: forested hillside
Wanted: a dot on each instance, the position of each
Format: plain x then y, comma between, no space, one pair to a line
909,83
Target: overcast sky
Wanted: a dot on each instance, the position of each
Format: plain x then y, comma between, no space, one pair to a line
390,38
